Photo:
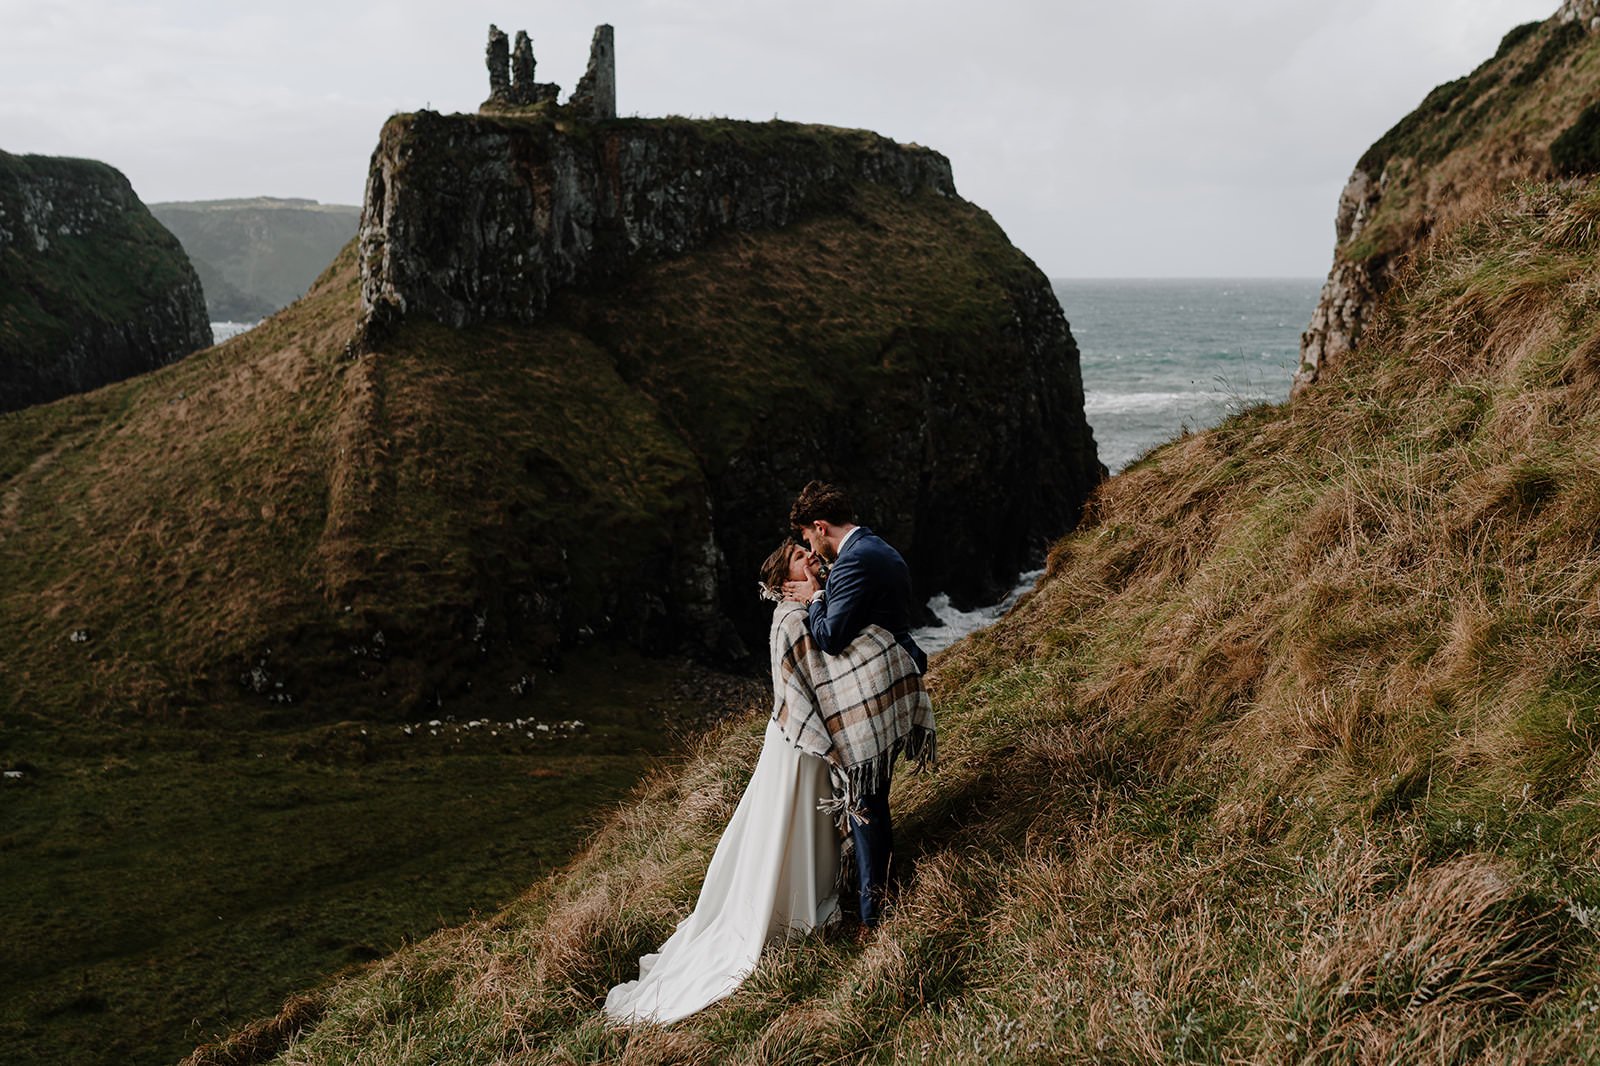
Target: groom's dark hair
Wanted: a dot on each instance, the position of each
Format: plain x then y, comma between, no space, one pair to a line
820,500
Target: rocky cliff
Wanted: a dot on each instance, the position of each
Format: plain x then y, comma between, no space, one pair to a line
255,256
92,288
962,430
1467,141
472,218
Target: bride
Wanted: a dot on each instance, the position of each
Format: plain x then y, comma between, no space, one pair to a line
773,875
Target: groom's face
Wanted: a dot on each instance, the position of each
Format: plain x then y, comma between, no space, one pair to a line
817,539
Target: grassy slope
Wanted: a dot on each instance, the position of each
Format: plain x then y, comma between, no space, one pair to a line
1291,757
1471,138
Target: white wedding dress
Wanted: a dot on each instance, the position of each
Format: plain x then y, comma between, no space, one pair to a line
772,877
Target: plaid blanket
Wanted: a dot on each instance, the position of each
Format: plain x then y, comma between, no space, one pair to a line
858,709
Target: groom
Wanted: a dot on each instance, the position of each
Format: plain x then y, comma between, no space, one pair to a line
868,583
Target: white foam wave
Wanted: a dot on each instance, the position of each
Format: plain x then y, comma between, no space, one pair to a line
221,331
954,625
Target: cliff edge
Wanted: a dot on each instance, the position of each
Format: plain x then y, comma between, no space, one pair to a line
957,420
92,288
1469,140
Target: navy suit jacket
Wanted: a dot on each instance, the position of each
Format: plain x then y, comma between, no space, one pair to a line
869,583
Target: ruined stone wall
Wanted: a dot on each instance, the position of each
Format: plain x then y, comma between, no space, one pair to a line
596,94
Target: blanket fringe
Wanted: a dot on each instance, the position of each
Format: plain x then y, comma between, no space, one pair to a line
850,787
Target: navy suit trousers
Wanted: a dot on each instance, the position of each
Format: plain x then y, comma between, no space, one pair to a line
874,840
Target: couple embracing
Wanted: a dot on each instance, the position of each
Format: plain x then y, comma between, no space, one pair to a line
847,700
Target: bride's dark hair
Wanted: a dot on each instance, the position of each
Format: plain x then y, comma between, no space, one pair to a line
775,570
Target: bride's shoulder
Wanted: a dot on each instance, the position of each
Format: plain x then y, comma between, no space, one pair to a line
787,614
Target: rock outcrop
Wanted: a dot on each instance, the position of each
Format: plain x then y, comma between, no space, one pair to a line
1584,12
92,288
473,218
1350,295
1469,139
977,461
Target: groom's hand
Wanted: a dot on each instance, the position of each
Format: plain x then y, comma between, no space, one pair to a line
801,591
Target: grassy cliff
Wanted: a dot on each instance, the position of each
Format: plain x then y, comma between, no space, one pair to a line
1291,757
1524,114
92,288
1472,136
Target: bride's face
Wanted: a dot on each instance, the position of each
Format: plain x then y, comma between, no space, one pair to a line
802,564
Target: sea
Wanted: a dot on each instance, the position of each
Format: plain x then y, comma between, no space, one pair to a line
1161,356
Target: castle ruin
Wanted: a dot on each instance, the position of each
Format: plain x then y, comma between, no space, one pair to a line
511,83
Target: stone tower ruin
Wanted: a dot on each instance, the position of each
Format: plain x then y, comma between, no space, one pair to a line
596,94
511,83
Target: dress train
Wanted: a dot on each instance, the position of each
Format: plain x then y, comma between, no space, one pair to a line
773,876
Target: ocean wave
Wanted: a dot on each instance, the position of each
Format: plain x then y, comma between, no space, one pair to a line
954,624
1112,403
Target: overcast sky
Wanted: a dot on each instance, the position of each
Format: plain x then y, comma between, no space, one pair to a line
1156,139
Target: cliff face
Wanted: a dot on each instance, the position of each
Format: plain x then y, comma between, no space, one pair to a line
258,255
602,440
476,218
962,431
1467,141
92,288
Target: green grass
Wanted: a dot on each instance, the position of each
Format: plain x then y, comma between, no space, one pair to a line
161,886
1291,757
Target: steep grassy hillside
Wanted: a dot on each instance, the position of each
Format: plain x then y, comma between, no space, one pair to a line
257,255
1290,758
